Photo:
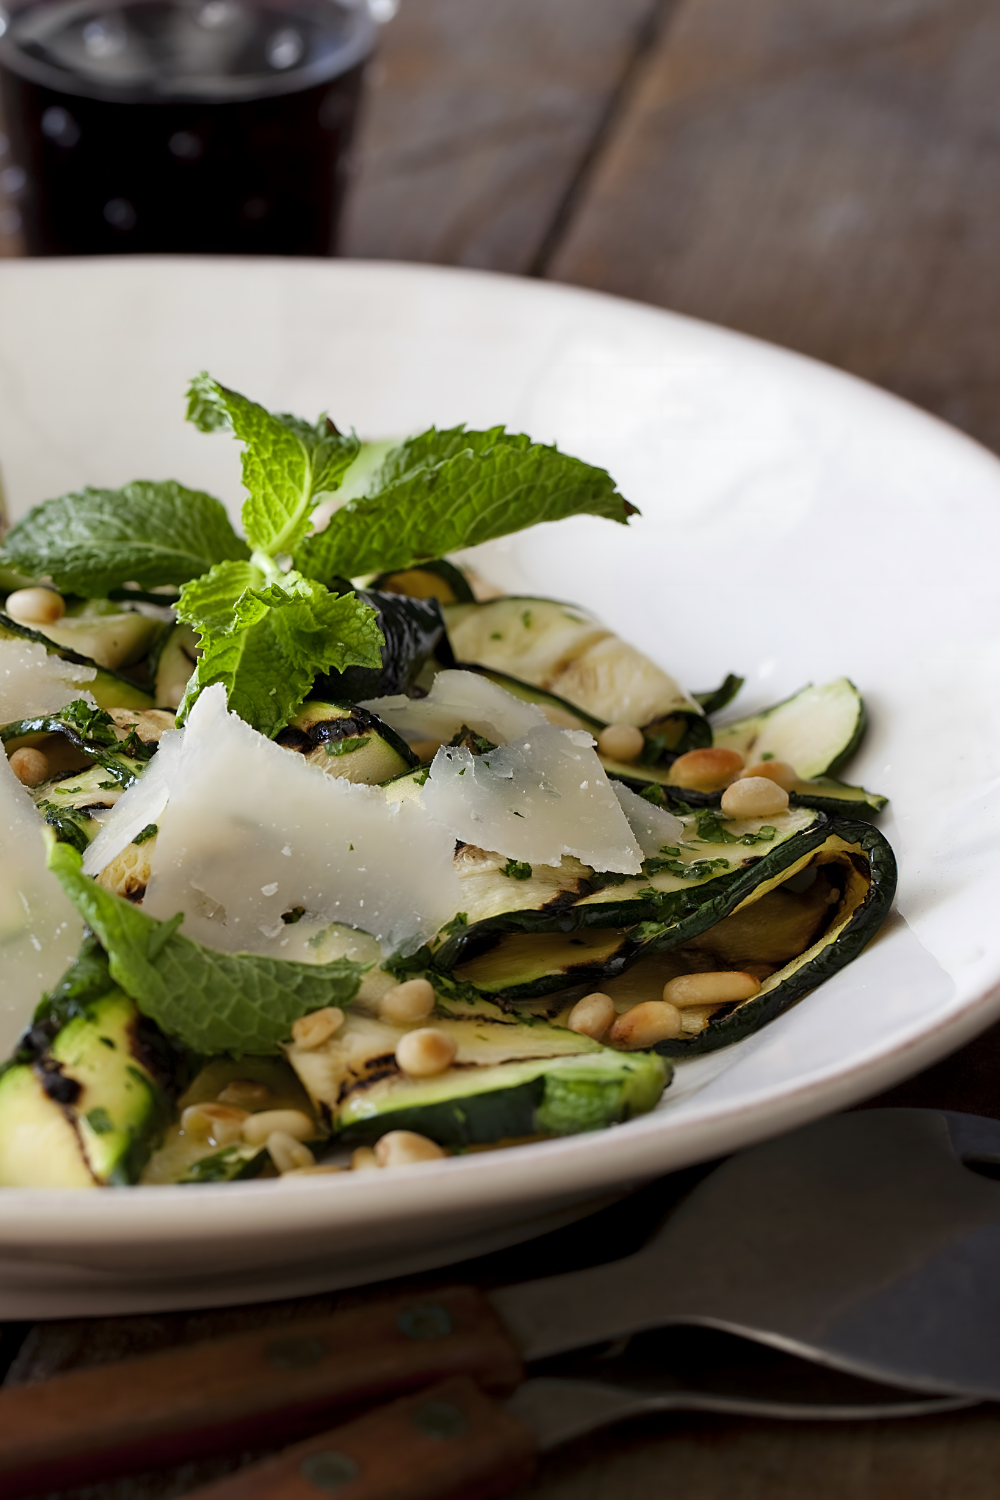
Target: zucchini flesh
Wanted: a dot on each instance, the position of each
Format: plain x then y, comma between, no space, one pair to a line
109,689
89,1090
347,742
439,580
816,730
565,651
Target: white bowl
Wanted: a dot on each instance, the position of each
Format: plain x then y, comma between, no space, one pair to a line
797,524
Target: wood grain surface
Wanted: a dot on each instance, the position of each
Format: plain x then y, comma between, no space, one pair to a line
822,173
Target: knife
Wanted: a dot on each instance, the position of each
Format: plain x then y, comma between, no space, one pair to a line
453,1442
863,1242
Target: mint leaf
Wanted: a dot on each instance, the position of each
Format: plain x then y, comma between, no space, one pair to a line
446,490
209,1002
146,533
287,463
266,642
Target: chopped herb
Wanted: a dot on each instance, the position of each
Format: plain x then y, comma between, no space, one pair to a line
295,915
711,831
346,746
698,869
497,635
517,869
149,832
768,755
458,921
99,1120
108,786
526,619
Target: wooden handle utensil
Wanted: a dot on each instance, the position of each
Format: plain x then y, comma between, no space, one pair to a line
451,1442
268,1385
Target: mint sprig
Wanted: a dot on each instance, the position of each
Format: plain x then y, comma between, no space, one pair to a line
288,464
146,533
447,490
209,1002
266,642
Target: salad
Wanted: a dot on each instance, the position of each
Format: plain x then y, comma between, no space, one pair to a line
319,855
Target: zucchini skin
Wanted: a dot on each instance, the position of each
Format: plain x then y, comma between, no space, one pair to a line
570,1097
413,630
833,956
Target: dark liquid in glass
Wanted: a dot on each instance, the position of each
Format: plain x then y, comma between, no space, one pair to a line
214,127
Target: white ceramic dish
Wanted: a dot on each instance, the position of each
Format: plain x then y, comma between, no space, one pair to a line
796,525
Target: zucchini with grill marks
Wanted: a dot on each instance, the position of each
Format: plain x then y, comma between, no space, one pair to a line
347,742
595,938
565,651
511,1078
90,1089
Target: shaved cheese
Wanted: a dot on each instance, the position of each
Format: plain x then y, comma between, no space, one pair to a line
32,681
39,930
142,804
458,698
251,833
537,799
653,826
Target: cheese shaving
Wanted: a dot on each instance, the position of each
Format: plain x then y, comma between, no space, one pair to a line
457,699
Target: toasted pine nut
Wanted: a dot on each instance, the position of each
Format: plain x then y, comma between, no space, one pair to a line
287,1153
719,988
218,1123
754,797
706,770
245,1094
425,1052
362,1159
644,1025
404,1148
35,606
774,770
425,749
30,767
621,742
318,1027
592,1015
406,1003
290,1122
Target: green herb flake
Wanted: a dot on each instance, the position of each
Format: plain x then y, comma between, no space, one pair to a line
458,921
145,834
526,619
496,635
348,745
517,869
99,1120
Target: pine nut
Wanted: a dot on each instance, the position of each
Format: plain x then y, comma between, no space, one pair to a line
621,742
754,797
290,1122
592,1015
706,770
318,1027
287,1153
774,770
218,1123
363,1159
30,767
719,988
404,1148
426,1052
245,1094
35,606
406,1003
644,1025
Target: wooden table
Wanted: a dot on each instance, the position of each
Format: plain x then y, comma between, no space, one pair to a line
821,173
